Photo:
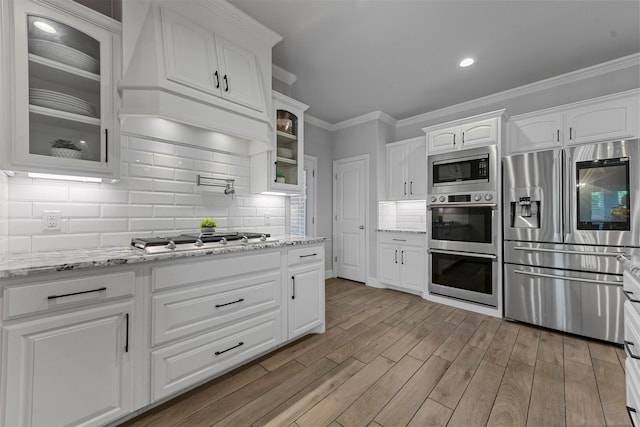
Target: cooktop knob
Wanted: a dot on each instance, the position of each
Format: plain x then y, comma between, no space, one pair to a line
488,197
434,199
477,197
442,199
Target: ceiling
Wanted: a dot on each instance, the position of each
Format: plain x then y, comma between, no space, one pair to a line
352,57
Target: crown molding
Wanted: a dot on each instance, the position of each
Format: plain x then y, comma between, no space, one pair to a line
318,123
283,75
374,115
550,83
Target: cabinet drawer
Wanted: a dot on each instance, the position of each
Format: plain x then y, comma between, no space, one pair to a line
401,239
183,312
631,288
632,378
190,362
212,269
306,254
20,300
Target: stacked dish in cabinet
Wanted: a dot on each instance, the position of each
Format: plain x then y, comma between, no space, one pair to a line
64,90
632,342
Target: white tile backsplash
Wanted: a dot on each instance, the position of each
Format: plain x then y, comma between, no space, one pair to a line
157,195
403,215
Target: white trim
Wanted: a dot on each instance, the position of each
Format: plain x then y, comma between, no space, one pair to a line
314,180
375,115
318,123
552,82
328,274
365,158
283,75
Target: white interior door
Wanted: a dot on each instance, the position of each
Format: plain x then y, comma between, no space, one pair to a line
350,217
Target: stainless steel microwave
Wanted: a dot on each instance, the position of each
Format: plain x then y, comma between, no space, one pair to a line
467,170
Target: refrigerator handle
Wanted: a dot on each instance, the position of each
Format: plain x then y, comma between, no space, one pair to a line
560,202
567,195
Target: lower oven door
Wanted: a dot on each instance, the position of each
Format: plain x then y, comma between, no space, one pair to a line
463,275
582,303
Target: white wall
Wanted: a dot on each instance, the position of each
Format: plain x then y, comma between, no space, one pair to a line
318,143
157,195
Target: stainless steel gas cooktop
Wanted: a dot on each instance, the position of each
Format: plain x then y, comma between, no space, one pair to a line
194,241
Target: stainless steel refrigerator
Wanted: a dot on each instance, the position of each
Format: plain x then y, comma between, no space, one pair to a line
567,214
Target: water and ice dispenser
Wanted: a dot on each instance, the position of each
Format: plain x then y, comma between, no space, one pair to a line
525,207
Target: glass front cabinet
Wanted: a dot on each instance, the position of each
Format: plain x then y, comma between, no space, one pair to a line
64,59
281,170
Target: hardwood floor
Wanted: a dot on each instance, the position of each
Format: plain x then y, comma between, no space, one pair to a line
393,359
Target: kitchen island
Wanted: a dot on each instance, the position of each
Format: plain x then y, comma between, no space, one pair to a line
102,335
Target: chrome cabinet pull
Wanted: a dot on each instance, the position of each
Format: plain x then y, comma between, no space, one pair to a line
76,293
627,345
218,353
570,279
229,303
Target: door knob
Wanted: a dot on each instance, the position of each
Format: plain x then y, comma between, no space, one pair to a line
361,227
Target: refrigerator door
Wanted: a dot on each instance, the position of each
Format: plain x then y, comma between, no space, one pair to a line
602,203
581,303
532,197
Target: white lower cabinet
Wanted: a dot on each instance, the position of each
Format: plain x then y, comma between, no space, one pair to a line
69,369
401,261
305,290
632,345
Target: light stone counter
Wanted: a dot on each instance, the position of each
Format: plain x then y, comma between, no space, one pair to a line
385,230
23,264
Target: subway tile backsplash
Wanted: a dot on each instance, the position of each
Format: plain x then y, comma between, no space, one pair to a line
402,215
157,195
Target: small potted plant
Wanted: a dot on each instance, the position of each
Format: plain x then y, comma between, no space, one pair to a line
208,225
65,148
280,176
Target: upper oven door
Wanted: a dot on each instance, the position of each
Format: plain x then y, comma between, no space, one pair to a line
465,170
464,227
603,194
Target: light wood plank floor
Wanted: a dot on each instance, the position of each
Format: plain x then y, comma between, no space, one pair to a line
393,359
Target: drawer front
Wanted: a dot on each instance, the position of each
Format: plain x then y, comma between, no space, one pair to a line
179,313
631,288
401,239
306,254
190,362
212,269
632,330
20,300
632,377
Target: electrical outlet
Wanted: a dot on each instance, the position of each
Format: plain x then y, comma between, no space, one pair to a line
51,220
267,218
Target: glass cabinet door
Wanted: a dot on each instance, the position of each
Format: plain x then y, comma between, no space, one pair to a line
287,148
64,91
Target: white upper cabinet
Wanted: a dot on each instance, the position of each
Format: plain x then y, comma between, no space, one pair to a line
406,169
199,58
282,169
605,118
61,108
442,139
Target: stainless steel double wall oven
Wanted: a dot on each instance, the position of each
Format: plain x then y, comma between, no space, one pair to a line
567,214
463,218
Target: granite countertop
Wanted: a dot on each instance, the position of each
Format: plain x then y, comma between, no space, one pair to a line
387,230
23,264
631,264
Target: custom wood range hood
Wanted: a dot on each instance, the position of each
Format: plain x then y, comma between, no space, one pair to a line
197,73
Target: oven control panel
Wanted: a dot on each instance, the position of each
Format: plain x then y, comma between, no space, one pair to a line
479,197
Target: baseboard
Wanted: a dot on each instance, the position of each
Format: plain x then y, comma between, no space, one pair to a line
373,282
328,274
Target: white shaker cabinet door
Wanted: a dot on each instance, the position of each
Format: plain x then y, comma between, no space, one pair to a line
190,54
306,293
388,262
69,369
602,121
417,175
480,133
444,140
397,172
412,271
240,79
535,133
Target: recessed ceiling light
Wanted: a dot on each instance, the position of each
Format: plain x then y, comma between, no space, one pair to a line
466,62
44,27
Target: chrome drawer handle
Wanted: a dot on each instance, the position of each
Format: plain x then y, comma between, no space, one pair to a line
76,293
627,345
629,297
218,353
229,303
